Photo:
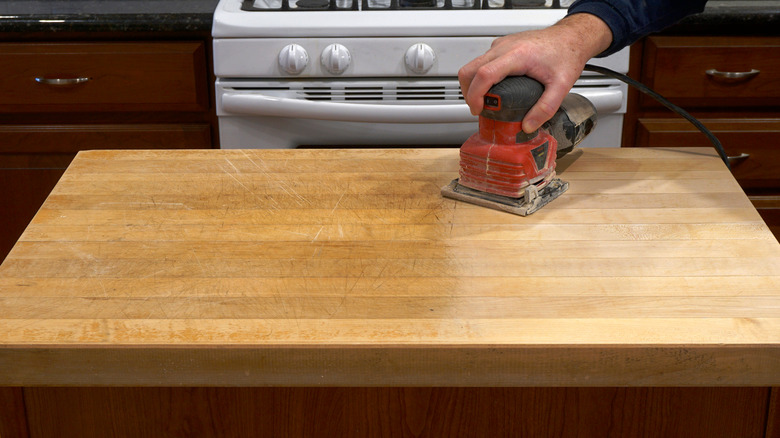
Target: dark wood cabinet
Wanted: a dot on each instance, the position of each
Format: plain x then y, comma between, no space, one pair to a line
25,187
732,85
751,143
59,98
712,72
104,76
383,412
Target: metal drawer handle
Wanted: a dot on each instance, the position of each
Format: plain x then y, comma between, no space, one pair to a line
732,75
61,81
736,159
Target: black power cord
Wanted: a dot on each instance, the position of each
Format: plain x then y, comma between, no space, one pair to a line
644,89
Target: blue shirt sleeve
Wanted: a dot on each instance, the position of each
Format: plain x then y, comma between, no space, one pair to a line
630,20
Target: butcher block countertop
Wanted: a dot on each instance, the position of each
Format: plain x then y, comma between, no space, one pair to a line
347,267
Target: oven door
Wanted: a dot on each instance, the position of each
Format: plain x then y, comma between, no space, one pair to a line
418,112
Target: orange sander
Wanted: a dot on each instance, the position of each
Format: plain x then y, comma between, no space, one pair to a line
504,168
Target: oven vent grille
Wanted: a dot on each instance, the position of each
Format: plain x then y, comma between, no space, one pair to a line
382,93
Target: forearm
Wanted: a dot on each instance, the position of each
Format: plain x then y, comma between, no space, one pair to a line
586,36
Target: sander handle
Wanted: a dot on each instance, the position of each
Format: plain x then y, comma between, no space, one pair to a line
510,99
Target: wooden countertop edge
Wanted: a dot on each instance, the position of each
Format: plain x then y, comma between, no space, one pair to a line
477,366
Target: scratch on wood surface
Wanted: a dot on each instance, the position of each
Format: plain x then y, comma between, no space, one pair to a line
140,204
153,274
295,233
89,259
237,180
337,203
299,199
197,259
103,287
248,190
318,234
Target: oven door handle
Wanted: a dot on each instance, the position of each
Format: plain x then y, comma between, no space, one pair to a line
605,101
263,105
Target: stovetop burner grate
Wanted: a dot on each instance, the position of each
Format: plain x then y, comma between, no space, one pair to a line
300,5
387,5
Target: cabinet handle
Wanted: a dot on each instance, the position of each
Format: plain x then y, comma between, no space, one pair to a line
732,76
736,159
60,81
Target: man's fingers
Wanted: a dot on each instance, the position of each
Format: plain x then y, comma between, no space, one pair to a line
465,76
545,107
468,71
485,76
475,80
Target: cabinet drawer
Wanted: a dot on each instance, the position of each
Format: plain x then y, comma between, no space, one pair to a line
760,139
69,139
677,67
149,76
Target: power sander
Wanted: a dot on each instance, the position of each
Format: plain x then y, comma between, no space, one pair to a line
504,168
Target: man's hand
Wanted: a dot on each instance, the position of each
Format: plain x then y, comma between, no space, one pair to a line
554,56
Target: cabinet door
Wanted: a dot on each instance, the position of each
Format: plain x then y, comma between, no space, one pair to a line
26,182
398,412
13,422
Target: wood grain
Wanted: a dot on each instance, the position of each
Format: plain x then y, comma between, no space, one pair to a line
347,267
398,412
13,418
773,414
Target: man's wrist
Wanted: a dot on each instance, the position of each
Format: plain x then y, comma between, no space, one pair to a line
589,32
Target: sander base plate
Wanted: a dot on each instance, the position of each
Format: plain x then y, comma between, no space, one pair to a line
532,201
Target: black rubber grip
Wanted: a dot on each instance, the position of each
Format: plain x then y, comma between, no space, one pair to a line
516,95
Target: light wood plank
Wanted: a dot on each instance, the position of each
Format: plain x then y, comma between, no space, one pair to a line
555,286
431,201
405,232
391,250
402,185
368,308
395,332
385,216
379,268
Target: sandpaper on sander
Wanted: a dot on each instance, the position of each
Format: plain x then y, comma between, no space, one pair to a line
504,168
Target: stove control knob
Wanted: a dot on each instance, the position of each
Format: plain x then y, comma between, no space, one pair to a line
335,58
293,59
420,58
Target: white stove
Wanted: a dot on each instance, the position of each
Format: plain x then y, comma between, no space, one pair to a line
299,73
369,18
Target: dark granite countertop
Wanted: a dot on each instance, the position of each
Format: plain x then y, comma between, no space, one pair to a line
732,17
22,19
69,17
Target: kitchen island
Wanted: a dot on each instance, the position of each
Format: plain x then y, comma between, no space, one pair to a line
336,293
